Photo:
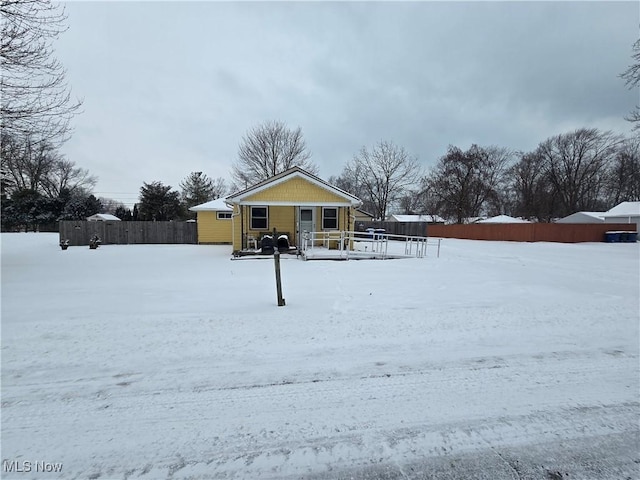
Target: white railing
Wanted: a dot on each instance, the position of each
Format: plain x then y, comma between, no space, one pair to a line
373,244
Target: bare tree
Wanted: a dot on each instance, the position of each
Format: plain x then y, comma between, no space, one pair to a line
66,176
352,180
577,164
26,164
37,166
467,184
109,205
631,76
268,149
385,173
533,194
36,99
623,178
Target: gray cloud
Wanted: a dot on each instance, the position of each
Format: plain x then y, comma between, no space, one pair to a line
171,87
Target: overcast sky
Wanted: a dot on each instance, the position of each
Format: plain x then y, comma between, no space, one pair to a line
171,87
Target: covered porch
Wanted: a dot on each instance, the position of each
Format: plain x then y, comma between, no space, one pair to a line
275,224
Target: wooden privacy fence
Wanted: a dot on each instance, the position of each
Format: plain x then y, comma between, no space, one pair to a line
530,232
122,233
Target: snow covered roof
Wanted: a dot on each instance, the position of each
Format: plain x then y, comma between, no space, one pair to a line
217,205
416,218
580,217
625,209
102,217
503,219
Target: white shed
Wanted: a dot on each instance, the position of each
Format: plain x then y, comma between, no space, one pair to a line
503,219
103,217
416,218
583,217
626,212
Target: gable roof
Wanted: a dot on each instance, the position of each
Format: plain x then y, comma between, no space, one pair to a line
625,209
217,205
103,217
503,219
417,218
294,172
364,213
591,217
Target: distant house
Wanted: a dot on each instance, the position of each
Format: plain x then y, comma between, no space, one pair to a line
432,219
214,222
363,217
583,217
103,217
502,219
626,212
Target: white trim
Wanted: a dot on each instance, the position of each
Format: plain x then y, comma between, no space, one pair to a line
337,217
266,207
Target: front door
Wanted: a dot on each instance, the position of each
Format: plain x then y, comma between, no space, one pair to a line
306,223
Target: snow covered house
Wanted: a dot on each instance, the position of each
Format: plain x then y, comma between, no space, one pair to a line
503,219
583,217
291,202
214,222
626,212
416,218
363,217
103,217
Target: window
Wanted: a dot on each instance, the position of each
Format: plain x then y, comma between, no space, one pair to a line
259,218
224,215
329,218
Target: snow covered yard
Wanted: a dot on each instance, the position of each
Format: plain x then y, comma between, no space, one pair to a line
496,360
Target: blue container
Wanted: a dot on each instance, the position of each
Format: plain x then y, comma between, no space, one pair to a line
623,237
632,237
611,237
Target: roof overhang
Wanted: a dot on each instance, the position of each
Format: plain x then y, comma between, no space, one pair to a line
217,205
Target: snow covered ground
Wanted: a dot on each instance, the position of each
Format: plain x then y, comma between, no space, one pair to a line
497,360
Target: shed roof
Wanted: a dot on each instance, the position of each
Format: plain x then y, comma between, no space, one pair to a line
503,219
625,209
217,205
417,218
102,217
575,217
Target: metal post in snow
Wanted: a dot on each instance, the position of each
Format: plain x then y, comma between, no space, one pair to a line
276,261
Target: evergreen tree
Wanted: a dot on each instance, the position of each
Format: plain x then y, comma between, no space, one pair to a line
123,213
159,203
197,188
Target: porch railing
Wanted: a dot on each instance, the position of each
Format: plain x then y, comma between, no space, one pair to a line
375,244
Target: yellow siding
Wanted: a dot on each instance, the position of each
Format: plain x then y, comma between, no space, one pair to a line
280,218
295,190
212,230
283,219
